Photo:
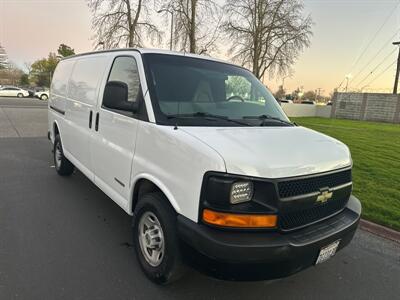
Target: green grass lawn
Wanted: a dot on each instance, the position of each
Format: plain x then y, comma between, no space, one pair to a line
375,148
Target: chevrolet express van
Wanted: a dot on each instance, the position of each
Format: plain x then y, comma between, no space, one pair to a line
200,154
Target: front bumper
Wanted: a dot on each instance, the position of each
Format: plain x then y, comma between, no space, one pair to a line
281,253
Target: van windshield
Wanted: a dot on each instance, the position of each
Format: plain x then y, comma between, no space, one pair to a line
196,92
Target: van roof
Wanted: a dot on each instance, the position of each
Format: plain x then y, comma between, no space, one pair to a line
155,51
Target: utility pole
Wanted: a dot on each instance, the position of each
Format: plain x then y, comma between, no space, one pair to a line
348,76
283,80
172,25
396,81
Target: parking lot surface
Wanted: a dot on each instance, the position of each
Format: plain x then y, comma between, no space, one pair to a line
62,238
26,117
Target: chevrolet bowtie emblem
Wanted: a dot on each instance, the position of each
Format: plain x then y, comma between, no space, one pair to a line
324,196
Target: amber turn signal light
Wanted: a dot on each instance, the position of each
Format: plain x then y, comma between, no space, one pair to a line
239,220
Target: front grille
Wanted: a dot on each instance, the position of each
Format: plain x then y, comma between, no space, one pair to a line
308,185
300,218
311,211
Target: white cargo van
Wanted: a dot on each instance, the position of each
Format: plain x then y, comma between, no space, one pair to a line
200,153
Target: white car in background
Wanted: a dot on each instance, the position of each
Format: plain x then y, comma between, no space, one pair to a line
13,91
42,95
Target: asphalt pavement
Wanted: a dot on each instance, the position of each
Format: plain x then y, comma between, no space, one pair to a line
25,117
62,238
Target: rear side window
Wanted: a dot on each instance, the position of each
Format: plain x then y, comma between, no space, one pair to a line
85,79
61,77
125,69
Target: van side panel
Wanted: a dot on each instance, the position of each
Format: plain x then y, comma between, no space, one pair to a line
83,90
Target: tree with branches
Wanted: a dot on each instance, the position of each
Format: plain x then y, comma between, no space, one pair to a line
65,51
122,23
43,69
267,35
197,24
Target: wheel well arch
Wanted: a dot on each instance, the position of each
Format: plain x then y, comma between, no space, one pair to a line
145,185
55,129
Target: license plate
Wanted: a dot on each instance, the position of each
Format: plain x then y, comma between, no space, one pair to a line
327,252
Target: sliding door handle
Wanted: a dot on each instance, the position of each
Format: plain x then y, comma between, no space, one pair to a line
96,127
90,119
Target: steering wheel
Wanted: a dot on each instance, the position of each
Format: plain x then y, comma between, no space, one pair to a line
235,97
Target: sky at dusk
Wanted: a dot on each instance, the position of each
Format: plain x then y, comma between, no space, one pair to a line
30,29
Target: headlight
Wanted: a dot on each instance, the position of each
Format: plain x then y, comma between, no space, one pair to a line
237,201
241,191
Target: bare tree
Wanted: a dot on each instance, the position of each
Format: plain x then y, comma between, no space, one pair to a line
197,24
10,75
122,22
28,66
267,35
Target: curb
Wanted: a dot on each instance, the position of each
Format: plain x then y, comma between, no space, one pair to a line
380,230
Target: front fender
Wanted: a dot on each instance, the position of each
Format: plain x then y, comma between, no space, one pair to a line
157,182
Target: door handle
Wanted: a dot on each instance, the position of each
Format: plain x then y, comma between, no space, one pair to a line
90,119
96,126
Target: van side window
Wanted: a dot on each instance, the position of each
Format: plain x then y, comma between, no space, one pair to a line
85,78
125,69
60,77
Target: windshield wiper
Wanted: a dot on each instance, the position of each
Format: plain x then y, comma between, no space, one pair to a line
200,114
268,117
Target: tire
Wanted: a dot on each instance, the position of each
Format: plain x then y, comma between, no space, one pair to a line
62,165
19,95
168,266
44,97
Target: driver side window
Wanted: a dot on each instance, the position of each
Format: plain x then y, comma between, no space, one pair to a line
125,70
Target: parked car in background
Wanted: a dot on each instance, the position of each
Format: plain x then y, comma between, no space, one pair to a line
33,90
13,91
42,95
308,102
29,90
285,101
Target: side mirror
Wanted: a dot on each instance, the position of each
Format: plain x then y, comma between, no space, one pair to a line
116,97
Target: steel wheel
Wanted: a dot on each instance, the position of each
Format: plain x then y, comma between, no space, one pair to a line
151,239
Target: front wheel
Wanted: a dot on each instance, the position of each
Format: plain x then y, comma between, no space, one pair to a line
44,97
155,239
20,95
63,166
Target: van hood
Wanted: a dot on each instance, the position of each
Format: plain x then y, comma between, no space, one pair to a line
273,152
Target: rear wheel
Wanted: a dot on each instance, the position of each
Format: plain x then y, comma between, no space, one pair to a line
63,166
20,95
155,239
44,97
